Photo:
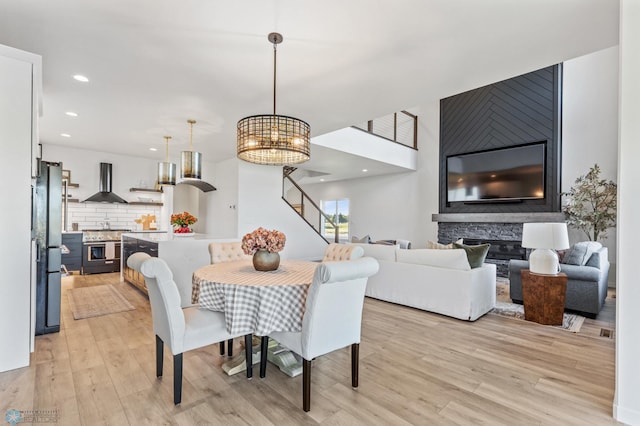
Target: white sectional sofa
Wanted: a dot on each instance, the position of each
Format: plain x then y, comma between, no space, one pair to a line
439,281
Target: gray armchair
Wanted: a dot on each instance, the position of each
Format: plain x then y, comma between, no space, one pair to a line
586,286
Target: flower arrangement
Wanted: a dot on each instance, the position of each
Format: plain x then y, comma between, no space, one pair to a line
272,241
182,221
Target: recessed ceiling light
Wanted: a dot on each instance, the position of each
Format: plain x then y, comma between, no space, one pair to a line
321,180
365,170
81,78
71,114
153,149
65,135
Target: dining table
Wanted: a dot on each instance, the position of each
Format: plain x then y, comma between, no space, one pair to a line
255,302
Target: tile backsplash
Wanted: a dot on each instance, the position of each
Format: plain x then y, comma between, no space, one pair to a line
119,216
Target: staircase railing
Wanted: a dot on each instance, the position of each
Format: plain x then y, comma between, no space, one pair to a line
307,208
399,127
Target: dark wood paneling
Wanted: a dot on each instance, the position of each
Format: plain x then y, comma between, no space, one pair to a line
512,112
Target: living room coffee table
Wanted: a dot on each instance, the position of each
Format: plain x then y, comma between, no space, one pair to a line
543,297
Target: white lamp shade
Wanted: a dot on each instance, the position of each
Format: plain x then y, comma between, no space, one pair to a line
545,236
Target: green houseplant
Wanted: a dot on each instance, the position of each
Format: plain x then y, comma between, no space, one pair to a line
592,204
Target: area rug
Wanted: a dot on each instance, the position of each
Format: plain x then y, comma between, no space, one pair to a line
570,322
88,302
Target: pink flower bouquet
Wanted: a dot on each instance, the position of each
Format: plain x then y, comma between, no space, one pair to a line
272,241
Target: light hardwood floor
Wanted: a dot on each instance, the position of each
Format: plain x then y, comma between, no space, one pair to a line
415,368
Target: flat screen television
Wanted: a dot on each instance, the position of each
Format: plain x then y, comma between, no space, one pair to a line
512,173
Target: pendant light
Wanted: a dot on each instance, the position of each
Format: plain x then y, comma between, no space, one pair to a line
166,169
191,162
273,139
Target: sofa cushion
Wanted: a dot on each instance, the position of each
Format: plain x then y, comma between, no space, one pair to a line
438,246
475,254
379,251
580,253
451,259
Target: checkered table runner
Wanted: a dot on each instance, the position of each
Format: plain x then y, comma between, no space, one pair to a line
255,302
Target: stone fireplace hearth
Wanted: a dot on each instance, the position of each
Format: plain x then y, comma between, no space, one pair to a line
502,231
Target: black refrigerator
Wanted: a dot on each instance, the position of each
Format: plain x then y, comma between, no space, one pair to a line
48,235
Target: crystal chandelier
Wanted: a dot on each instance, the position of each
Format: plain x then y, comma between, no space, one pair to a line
273,139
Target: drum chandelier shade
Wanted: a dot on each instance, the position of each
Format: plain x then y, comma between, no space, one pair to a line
191,161
167,170
273,139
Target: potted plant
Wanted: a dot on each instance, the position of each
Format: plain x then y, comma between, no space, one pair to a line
182,221
592,204
264,245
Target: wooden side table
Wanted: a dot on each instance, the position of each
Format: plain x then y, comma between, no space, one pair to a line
543,297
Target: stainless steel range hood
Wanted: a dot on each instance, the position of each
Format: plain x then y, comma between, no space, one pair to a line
105,195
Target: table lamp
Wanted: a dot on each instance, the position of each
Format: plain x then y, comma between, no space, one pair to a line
545,238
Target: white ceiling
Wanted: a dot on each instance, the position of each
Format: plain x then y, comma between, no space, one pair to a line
155,64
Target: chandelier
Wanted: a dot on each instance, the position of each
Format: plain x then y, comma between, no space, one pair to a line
273,139
166,169
191,161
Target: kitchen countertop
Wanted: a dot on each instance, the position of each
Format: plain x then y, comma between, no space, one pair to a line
165,236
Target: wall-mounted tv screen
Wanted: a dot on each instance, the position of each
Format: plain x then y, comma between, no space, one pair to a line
513,173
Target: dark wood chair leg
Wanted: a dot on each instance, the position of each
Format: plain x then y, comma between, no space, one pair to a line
264,346
177,379
248,342
306,385
159,355
229,347
221,348
355,363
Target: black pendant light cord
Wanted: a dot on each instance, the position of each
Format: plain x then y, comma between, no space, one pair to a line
275,50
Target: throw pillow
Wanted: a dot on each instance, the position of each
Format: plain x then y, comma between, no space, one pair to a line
365,240
580,253
475,254
385,242
437,246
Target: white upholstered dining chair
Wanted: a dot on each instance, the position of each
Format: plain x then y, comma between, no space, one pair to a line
182,329
340,252
227,252
332,318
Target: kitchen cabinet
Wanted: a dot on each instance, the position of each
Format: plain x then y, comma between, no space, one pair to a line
72,260
183,255
132,245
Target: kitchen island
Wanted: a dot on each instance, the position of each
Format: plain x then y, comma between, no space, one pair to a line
183,255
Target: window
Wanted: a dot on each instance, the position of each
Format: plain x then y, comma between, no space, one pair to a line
337,211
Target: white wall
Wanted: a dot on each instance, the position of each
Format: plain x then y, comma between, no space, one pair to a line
186,198
221,205
627,398
590,126
127,172
260,204
400,206
16,115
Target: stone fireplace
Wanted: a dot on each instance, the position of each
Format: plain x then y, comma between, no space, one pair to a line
502,230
